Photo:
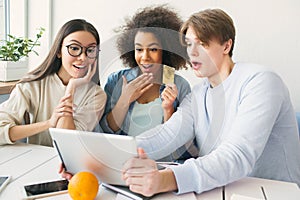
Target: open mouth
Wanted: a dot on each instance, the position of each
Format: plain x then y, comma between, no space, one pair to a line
79,66
147,66
196,65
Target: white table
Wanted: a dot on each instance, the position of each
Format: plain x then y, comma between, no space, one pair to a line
33,163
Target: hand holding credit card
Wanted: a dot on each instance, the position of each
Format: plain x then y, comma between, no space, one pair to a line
168,74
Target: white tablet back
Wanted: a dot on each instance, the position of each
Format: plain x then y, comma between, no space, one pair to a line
100,153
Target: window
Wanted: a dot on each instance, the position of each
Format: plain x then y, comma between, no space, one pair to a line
4,19
13,18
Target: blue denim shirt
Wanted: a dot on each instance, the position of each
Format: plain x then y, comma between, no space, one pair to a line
113,89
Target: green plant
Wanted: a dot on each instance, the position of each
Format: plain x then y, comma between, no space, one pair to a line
16,48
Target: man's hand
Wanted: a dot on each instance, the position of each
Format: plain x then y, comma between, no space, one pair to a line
141,175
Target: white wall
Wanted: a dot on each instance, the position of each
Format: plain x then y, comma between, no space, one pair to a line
268,31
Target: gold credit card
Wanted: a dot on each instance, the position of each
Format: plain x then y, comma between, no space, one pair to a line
168,74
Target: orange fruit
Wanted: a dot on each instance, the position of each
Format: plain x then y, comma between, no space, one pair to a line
83,186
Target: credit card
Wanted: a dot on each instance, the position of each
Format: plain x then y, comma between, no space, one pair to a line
168,74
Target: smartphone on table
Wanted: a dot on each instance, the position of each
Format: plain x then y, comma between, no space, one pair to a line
4,180
45,189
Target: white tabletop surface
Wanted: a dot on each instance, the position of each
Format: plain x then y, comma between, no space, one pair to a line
32,163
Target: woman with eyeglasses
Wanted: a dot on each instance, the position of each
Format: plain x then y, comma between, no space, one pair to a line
59,92
137,99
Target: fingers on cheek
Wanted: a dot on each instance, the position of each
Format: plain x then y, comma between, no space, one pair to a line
166,97
169,93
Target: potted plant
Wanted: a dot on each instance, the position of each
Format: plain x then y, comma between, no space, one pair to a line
13,53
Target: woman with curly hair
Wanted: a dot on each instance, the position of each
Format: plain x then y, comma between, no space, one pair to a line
136,98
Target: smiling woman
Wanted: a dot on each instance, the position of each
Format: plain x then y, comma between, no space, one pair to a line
137,98
75,61
58,93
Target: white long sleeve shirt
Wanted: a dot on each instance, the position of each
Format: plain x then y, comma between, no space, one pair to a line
245,126
40,98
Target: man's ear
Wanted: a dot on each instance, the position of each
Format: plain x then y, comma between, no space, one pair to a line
228,45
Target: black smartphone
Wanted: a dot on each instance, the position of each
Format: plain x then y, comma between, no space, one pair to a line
45,189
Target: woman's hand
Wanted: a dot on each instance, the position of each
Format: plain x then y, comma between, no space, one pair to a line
63,114
64,173
169,95
133,90
130,92
75,82
64,108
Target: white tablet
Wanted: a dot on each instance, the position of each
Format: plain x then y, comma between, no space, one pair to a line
100,153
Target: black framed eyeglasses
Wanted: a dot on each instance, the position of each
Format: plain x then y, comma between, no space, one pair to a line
76,50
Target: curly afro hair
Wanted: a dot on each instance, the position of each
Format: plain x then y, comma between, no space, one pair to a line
165,24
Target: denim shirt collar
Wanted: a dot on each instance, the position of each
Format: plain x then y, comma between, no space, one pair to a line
133,74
